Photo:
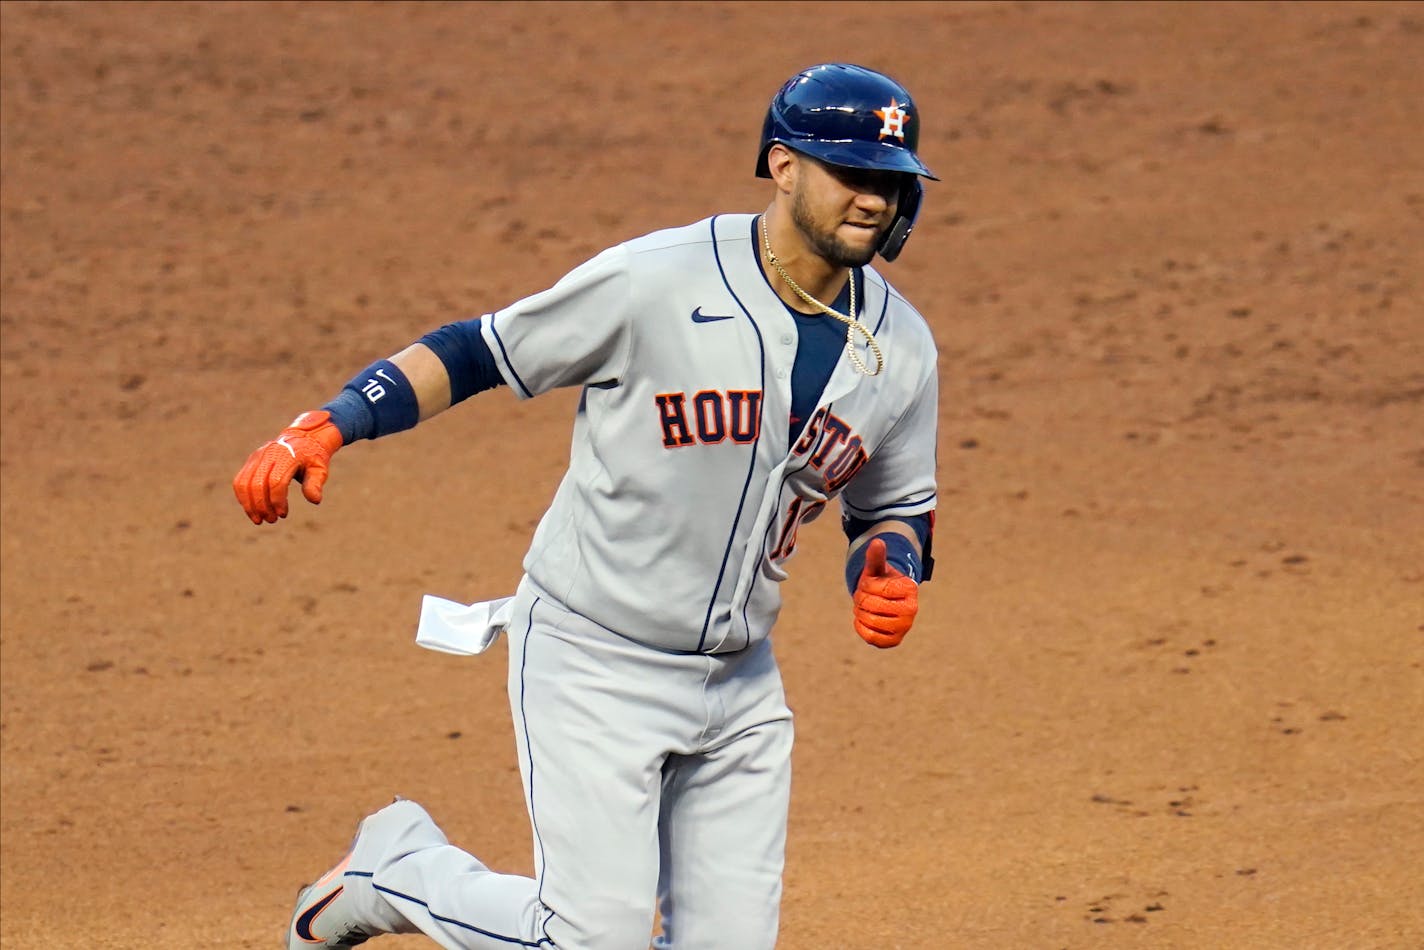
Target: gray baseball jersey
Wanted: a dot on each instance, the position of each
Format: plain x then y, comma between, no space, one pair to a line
683,496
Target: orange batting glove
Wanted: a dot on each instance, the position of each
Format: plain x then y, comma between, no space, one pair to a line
886,601
302,452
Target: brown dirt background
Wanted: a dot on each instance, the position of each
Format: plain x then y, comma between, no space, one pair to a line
1167,687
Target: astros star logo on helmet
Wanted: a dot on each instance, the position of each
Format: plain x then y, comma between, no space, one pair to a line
894,118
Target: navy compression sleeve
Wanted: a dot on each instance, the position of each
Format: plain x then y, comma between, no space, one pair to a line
467,358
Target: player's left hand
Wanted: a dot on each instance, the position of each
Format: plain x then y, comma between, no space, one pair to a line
886,601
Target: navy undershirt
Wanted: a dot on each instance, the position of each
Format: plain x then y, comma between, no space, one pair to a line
820,341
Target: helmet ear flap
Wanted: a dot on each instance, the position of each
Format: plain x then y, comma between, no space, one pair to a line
906,212
763,167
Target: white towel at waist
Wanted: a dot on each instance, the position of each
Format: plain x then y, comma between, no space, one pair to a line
464,629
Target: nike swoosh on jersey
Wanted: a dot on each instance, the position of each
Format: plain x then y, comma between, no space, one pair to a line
699,317
304,922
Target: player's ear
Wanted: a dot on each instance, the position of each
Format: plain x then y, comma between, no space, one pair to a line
782,163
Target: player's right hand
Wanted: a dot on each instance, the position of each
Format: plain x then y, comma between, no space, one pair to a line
302,451
886,600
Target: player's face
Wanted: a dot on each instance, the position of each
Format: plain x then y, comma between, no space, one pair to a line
844,212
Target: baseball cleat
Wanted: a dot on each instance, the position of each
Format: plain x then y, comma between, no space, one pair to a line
324,915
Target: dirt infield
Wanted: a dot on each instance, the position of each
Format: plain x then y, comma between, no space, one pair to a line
1168,684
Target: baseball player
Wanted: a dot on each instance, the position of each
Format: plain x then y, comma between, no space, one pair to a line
737,374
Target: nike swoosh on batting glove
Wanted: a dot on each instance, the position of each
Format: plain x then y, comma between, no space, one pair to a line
885,600
303,451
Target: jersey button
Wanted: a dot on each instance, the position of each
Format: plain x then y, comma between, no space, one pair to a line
781,374
787,338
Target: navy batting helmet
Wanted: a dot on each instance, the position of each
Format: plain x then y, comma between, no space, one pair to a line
848,115
845,115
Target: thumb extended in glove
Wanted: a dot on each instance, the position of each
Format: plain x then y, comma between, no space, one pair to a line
875,559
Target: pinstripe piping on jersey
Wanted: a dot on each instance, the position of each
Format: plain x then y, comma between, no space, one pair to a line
507,362
908,503
755,446
884,301
529,757
774,528
516,941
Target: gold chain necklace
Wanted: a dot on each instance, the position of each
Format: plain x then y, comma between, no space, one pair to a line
852,324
